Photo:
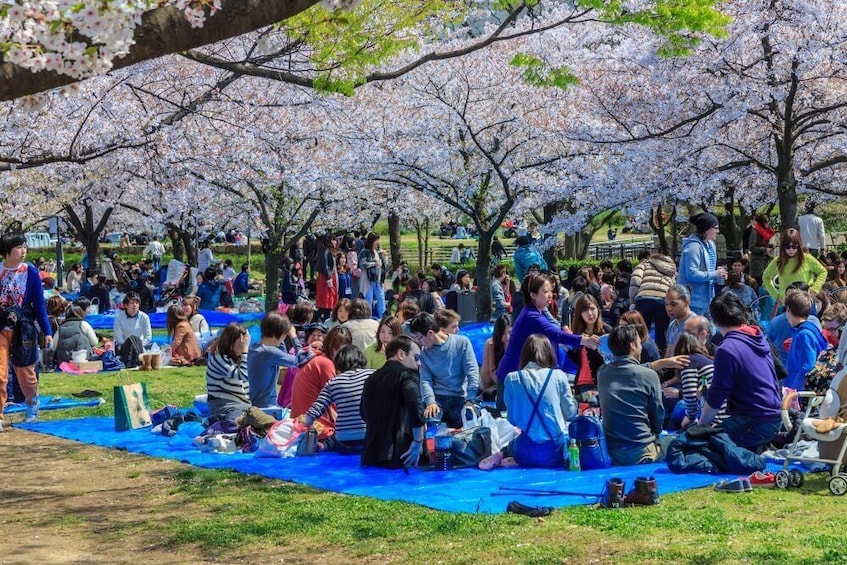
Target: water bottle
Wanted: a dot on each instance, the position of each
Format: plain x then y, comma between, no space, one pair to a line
443,448
431,431
573,456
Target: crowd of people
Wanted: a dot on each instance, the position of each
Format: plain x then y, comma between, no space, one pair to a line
650,346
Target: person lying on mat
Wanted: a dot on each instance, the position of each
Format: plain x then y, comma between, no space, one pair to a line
266,357
392,408
449,372
227,385
345,392
540,403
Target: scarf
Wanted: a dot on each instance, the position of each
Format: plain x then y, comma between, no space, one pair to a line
764,233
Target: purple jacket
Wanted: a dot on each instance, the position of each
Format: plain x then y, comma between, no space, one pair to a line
745,376
530,321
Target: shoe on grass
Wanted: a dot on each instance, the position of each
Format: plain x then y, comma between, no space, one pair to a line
762,479
515,507
741,484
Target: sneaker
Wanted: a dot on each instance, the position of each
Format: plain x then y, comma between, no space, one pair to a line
741,484
762,480
31,413
515,507
491,461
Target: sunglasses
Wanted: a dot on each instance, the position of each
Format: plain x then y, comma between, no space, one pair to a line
792,246
417,358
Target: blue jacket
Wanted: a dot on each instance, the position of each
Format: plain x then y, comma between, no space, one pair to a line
239,284
697,271
702,449
806,344
209,293
525,256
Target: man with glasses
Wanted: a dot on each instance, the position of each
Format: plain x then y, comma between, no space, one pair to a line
392,409
449,371
701,328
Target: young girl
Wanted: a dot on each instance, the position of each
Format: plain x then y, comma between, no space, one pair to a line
184,345
792,265
227,385
695,378
389,328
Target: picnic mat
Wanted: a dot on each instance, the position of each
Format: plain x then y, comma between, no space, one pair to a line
54,403
158,319
461,490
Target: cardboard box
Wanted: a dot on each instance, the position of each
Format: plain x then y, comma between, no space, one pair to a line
90,366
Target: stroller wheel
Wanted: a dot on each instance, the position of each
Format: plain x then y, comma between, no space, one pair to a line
782,479
838,485
796,478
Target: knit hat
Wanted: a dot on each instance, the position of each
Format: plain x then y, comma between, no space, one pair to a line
704,221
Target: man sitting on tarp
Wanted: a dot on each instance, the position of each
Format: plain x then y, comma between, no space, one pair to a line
133,333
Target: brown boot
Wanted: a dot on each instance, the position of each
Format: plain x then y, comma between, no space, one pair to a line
612,496
643,493
145,362
155,361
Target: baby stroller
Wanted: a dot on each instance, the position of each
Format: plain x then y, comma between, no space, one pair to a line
177,284
828,428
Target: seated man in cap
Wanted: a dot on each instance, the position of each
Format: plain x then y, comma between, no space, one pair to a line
698,268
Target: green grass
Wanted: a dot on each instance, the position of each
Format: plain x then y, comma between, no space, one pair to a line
232,513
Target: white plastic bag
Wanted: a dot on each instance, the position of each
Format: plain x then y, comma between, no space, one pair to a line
502,431
281,440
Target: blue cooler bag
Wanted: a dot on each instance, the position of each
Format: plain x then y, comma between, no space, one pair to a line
588,433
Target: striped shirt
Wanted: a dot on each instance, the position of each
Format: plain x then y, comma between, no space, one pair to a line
226,381
698,373
345,391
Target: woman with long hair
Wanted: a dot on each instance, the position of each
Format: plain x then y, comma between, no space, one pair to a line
492,353
540,404
373,263
649,350
791,265
326,287
838,274
343,273
227,386
587,321
532,320
191,307
389,328
185,348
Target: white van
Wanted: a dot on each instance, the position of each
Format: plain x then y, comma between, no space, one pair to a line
39,239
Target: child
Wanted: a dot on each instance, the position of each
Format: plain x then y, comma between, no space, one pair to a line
807,341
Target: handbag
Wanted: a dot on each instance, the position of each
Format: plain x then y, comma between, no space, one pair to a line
94,307
132,407
470,446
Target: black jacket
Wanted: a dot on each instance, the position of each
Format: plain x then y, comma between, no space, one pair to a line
702,449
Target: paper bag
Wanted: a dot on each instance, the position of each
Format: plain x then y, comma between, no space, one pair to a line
132,408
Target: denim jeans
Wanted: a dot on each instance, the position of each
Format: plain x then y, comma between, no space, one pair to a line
376,293
451,409
750,432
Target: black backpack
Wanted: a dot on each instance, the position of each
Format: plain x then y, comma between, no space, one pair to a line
130,350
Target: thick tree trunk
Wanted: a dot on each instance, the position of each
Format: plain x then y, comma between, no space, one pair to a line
272,261
87,229
550,254
394,239
483,275
190,248
787,197
164,31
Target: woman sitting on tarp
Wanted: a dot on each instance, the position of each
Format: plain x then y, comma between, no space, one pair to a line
190,305
74,334
227,385
185,348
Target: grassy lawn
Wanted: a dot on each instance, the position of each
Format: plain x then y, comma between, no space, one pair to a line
698,527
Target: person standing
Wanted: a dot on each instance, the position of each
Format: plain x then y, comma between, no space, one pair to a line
525,255
812,231
372,262
155,250
793,265
698,268
500,305
648,286
392,409
205,259
759,243
326,287
21,307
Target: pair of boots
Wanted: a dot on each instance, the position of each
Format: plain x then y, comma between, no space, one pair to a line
149,362
643,493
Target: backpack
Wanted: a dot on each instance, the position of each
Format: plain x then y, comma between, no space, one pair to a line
587,431
820,376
